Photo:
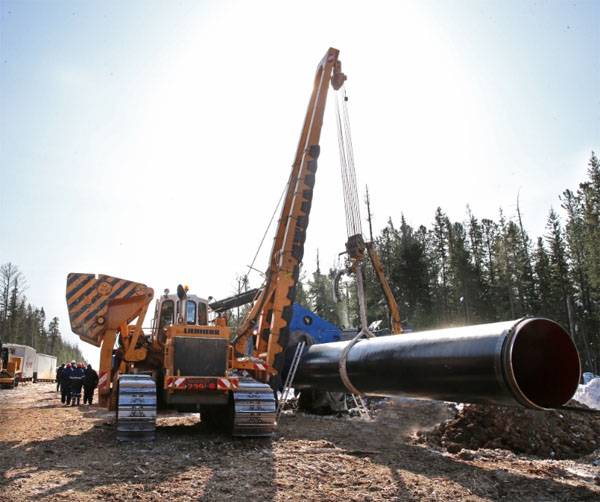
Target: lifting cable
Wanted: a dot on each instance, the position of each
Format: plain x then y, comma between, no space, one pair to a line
251,266
266,278
353,227
348,172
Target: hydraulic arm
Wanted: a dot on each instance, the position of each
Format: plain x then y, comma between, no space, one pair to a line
271,314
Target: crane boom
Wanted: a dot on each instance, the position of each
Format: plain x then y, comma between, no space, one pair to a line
396,324
271,314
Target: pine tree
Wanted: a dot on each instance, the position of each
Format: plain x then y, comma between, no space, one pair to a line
30,328
583,241
477,245
414,296
543,279
507,293
490,234
375,302
320,294
525,267
584,308
42,333
462,277
22,323
9,273
590,195
53,334
559,270
439,253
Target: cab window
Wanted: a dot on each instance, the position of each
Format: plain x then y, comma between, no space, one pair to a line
191,312
202,314
167,314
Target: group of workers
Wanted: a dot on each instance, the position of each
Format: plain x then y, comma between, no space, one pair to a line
71,378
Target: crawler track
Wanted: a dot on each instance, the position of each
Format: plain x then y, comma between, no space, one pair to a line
136,415
254,409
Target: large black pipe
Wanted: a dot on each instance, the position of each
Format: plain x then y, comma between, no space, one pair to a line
532,362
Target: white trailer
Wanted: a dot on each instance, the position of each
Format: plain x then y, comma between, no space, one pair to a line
28,356
45,368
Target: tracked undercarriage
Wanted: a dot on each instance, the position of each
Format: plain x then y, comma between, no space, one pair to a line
136,408
250,411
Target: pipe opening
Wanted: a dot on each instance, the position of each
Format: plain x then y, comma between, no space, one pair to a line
544,362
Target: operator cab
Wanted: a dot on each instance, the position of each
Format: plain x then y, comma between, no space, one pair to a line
171,309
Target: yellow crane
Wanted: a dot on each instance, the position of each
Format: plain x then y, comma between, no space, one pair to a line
187,362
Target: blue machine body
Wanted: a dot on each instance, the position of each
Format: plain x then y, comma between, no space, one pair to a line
320,330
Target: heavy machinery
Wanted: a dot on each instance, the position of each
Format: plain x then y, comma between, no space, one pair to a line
18,364
187,362
10,368
355,250
184,363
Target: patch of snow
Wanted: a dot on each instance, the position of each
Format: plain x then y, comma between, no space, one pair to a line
589,394
588,376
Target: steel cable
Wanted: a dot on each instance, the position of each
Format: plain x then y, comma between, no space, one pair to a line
348,171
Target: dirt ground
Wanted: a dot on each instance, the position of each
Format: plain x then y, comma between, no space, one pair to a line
556,434
48,451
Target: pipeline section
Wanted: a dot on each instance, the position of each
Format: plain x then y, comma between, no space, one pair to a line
531,362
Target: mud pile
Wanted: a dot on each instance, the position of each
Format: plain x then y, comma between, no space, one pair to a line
556,434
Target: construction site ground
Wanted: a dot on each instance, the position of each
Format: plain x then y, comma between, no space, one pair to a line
48,451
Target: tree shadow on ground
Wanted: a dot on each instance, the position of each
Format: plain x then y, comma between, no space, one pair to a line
389,444
183,461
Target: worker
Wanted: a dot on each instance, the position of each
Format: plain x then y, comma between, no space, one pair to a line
90,382
65,382
76,379
59,371
69,380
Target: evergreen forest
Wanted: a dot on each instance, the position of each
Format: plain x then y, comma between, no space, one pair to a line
23,323
455,273
450,273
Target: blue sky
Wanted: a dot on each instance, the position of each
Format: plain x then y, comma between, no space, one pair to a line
151,140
